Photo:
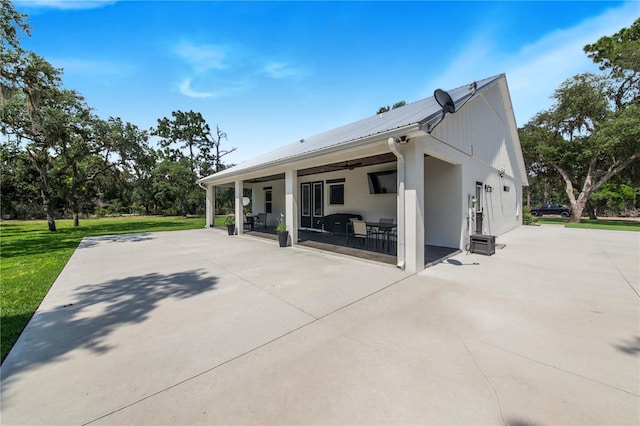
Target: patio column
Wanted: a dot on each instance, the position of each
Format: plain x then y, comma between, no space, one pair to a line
210,206
238,207
414,207
291,203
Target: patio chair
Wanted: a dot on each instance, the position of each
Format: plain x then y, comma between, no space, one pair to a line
260,221
360,231
382,232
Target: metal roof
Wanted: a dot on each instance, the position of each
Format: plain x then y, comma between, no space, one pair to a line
417,112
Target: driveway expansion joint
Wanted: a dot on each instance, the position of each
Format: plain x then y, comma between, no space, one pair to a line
559,369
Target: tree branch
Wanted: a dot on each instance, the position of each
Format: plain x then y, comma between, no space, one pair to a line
614,170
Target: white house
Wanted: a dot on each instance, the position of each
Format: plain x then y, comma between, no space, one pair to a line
442,178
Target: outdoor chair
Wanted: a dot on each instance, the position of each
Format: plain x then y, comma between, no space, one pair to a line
360,231
261,221
382,232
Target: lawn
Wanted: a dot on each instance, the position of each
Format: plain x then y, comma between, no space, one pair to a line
608,224
32,258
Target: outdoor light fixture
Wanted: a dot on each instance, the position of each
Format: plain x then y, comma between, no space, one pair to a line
501,173
402,140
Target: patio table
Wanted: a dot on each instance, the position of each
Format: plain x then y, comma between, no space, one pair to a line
384,228
380,226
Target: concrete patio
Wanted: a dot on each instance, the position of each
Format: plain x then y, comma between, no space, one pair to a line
197,327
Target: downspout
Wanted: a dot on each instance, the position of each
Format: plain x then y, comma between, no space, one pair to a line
401,208
210,207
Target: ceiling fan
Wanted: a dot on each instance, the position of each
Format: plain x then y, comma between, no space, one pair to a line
347,165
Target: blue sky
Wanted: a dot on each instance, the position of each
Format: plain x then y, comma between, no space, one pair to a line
271,73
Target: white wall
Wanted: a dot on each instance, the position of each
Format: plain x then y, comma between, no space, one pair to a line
357,199
277,197
443,216
501,212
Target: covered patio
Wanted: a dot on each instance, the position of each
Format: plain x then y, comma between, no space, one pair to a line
340,244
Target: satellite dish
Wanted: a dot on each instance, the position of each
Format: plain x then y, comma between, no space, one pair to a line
445,101
245,201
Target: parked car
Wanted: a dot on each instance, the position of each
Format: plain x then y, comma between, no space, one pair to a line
551,209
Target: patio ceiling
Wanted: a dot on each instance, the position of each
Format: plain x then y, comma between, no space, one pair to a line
349,164
332,167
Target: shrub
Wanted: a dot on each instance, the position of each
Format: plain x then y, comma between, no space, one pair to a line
528,219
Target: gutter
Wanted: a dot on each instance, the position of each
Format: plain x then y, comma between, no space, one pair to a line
391,142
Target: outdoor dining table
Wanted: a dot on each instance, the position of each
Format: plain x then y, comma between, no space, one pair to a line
383,227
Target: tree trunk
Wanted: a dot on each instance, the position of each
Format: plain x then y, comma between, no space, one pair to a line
51,221
76,219
591,211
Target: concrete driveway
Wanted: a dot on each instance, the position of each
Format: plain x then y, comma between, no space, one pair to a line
196,327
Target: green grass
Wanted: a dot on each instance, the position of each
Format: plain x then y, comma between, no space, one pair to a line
32,258
612,225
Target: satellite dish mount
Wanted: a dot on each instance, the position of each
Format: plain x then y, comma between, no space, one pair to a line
446,103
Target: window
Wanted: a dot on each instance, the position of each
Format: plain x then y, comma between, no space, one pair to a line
336,193
506,188
268,200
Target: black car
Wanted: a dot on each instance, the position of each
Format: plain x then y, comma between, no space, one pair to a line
551,209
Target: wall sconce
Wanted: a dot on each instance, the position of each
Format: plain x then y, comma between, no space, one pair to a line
488,188
402,140
501,172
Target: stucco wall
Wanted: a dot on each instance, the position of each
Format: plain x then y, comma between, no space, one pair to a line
501,210
442,187
357,198
278,199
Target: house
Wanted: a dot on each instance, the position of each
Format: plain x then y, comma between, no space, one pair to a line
441,177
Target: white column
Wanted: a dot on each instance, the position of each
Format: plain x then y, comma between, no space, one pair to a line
291,203
238,207
414,207
210,206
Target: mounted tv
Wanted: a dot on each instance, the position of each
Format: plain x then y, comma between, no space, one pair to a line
383,182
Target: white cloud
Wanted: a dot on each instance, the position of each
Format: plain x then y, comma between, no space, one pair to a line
281,70
537,69
203,57
64,4
185,89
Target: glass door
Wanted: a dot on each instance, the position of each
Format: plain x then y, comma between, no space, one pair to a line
305,205
318,204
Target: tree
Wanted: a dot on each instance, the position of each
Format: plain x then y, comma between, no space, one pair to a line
619,56
12,23
383,109
18,182
592,132
217,143
31,110
186,131
544,186
586,141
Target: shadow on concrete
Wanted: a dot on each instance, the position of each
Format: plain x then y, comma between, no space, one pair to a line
456,262
92,313
88,242
519,422
630,347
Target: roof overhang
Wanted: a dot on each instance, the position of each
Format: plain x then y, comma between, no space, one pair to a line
357,147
